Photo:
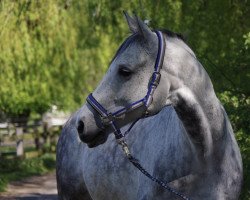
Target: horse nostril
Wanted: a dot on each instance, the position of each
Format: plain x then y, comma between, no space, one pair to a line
80,127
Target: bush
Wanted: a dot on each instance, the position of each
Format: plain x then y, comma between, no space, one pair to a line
15,169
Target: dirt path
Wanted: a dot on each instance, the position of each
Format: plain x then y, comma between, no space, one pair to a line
33,188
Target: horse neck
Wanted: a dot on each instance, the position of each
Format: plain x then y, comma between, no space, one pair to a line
193,97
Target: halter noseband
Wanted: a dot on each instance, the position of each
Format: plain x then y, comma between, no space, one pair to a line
109,118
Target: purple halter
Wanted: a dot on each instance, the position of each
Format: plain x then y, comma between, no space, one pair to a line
109,118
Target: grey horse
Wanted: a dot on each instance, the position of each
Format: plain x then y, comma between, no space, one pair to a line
187,140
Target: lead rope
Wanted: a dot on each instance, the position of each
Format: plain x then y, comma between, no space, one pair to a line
137,164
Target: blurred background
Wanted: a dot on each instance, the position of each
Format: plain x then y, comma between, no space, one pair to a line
54,52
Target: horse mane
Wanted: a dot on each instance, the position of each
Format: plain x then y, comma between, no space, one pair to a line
173,34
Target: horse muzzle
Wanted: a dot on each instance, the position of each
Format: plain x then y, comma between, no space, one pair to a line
88,130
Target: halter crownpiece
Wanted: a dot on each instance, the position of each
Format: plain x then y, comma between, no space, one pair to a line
109,118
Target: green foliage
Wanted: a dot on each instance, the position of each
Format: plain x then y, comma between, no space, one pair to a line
53,52
238,109
11,170
47,57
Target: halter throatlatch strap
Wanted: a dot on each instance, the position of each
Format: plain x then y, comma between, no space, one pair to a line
109,118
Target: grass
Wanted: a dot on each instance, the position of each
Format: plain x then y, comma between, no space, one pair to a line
16,169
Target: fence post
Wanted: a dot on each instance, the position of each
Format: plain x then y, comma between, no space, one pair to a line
19,143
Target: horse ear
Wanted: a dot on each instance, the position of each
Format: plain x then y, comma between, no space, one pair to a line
143,29
136,25
132,23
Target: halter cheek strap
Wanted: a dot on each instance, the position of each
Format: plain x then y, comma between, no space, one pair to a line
109,118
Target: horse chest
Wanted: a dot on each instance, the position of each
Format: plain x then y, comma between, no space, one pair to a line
109,175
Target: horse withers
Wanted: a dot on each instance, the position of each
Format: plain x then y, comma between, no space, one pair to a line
183,136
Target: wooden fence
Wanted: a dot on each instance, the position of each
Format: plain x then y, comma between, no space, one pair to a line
19,140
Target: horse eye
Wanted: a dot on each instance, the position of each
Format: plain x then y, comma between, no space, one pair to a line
125,72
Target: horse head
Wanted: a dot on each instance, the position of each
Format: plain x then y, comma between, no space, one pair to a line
128,90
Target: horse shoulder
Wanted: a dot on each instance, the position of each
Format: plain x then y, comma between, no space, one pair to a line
70,183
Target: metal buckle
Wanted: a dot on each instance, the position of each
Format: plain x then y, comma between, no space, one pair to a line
157,78
107,119
124,147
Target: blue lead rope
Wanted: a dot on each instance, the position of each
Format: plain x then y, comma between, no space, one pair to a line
137,164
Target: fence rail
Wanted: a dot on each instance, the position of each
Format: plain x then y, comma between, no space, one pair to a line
16,138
